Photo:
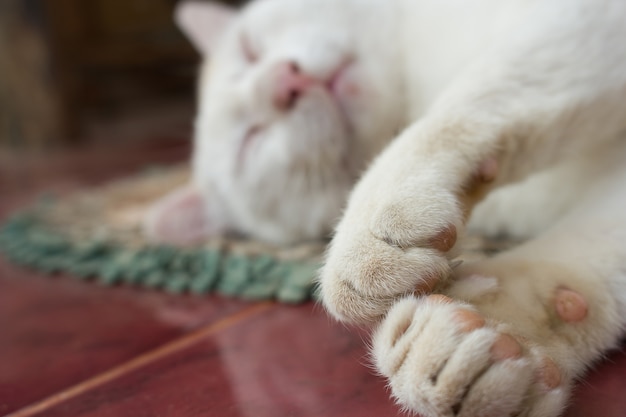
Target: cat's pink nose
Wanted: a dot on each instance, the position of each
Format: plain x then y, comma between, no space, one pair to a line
290,84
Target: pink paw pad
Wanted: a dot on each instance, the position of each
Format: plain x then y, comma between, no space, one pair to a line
488,170
550,374
439,299
505,347
427,285
445,239
570,306
469,320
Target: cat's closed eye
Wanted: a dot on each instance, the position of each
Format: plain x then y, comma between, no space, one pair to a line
249,52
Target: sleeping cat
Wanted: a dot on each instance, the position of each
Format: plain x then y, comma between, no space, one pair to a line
507,117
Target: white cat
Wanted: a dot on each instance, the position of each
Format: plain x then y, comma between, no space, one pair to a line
512,116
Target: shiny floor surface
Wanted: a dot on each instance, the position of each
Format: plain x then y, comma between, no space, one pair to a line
73,348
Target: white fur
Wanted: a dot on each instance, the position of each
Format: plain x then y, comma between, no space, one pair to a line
535,88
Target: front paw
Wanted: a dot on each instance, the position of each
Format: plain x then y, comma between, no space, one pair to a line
443,359
390,243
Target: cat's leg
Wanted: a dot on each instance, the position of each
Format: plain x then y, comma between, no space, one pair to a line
549,94
517,328
528,208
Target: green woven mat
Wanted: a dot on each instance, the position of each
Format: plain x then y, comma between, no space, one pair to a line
96,235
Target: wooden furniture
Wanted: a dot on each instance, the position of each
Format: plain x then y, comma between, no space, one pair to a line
113,54
62,61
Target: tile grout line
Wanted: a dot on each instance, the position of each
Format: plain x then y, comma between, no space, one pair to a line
139,362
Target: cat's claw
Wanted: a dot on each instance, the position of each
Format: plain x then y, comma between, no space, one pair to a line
443,359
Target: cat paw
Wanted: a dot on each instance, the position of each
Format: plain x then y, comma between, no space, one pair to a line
443,359
386,248
399,231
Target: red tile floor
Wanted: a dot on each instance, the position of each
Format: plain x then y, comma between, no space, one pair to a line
73,348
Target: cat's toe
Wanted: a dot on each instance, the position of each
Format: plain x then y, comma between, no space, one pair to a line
551,403
549,393
400,223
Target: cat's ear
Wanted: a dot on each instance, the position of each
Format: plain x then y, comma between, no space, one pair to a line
183,217
203,22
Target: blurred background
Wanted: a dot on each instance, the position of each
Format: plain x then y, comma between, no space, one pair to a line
75,71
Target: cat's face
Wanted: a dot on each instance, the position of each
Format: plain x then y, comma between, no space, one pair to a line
295,97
